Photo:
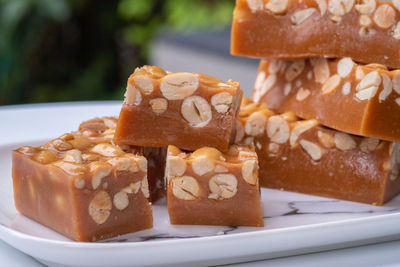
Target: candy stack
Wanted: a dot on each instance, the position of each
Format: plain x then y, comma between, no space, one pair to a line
318,125
330,63
174,137
209,180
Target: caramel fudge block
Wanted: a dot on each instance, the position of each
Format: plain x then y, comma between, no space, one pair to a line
207,187
82,187
349,97
365,30
189,110
103,129
303,156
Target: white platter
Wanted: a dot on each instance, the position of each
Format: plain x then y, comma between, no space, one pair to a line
294,223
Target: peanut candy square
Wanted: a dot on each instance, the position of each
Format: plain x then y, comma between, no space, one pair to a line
83,186
189,110
207,187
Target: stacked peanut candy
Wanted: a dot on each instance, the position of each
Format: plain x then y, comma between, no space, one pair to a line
332,63
174,137
208,180
191,137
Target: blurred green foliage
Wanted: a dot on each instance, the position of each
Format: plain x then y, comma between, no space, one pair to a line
63,50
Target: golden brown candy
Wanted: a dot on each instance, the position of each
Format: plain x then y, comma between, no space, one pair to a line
367,31
213,188
83,186
349,97
306,157
189,110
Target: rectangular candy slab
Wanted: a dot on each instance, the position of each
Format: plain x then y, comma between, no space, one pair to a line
99,128
367,30
303,156
83,186
189,110
349,97
207,187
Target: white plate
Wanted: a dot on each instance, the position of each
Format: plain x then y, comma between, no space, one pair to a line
294,223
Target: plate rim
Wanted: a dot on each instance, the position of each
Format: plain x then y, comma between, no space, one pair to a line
72,243
250,246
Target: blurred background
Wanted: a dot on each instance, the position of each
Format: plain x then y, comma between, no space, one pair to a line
78,50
